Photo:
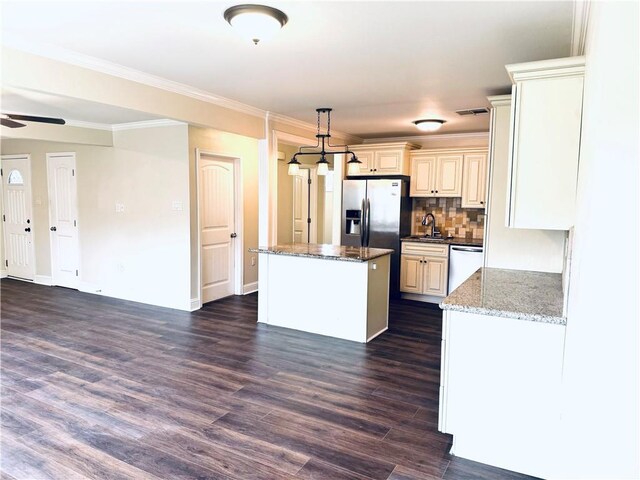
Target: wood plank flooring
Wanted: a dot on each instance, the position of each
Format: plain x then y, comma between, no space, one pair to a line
99,388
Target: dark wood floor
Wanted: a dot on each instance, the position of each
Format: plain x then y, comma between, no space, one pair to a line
94,387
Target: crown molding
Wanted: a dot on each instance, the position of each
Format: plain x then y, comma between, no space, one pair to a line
163,122
276,117
109,68
499,100
581,10
423,138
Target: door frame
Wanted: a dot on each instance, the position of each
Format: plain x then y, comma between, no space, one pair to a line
312,205
27,157
238,204
49,192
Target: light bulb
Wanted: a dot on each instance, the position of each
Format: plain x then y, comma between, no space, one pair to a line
294,168
323,168
353,168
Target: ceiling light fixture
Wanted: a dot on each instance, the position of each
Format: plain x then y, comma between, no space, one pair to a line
255,22
323,143
430,125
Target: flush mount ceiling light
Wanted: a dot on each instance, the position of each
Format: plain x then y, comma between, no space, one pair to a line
323,143
255,22
430,125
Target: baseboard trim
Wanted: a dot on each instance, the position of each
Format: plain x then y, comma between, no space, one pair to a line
195,305
43,280
250,288
3,274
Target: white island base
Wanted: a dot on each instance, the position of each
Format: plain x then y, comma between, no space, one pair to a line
327,295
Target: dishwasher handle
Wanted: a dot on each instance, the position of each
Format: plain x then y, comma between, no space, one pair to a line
466,249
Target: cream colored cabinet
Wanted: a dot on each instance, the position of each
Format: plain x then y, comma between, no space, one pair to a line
424,268
383,158
436,174
546,116
474,180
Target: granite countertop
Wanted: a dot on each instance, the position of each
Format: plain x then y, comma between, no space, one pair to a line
524,295
329,252
470,242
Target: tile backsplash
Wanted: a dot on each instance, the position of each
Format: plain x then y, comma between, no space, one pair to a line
451,218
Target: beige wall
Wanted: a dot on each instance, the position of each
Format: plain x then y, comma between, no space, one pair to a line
141,254
245,148
285,196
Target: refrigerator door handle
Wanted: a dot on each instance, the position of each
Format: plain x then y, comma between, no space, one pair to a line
362,224
368,221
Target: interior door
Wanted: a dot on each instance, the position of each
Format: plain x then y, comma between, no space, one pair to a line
17,216
301,216
217,228
63,219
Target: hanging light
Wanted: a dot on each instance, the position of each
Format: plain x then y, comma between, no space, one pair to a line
430,125
322,143
353,166
255,22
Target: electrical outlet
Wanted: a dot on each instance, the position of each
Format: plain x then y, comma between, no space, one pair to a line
253,260
119,207
120,267
177,206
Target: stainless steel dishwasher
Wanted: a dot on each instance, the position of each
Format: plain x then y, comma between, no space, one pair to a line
463,261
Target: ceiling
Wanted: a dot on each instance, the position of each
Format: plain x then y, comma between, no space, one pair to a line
380,65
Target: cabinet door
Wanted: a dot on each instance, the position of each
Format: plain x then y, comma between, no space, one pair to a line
474,181
411,273
449,176
435,276
423,172
368,162
388,163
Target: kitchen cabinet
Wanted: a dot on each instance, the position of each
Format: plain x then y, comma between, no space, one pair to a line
383,159
424,269
474,180
436,175
546,117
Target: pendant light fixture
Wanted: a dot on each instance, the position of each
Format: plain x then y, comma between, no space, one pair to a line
430,125
255,22
323,143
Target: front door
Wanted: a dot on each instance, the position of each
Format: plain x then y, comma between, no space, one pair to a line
17,216
63,219
217,227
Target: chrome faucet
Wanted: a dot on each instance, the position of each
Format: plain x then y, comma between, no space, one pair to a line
425,222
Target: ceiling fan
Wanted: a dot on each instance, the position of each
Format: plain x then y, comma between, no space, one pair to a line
9,120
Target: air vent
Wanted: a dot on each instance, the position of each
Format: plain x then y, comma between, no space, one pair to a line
473,111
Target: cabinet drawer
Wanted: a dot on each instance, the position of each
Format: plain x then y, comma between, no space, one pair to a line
430,249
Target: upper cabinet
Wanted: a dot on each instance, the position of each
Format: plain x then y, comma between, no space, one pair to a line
546,116
383,158
440,173
474,180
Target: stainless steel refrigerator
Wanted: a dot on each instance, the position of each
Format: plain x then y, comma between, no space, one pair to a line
377,213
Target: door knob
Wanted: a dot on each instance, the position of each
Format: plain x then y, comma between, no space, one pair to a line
234,235
28,229
53,229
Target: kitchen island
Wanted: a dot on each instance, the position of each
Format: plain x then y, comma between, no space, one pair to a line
337,291
502,349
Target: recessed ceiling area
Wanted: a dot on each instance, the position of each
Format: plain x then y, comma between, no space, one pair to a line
14,100
380,65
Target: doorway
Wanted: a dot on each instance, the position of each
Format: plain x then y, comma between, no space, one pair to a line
219,226
17,216
63,219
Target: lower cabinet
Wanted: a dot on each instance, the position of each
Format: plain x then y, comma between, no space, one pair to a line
424,269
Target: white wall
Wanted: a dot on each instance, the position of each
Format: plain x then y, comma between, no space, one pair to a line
517,249
601,367
141,254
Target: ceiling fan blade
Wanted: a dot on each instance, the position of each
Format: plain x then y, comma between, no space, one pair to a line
10,123
30,118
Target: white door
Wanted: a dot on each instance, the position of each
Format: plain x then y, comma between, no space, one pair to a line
17,216
217,228
63,219
301,216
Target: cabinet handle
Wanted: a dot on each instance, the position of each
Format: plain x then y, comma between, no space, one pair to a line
436,191
481,203
431,191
